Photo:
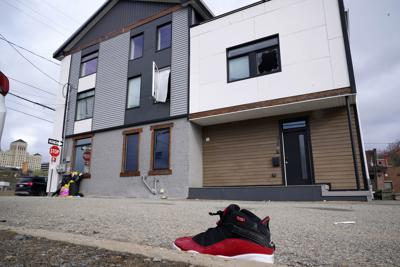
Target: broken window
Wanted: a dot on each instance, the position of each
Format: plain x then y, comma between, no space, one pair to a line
253,59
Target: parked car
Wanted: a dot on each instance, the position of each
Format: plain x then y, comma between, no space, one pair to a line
31,186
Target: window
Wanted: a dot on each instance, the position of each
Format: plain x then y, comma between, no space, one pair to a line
164,34
81,147
89,64
137,44
85,103
134,86
254,59
161,138
130,156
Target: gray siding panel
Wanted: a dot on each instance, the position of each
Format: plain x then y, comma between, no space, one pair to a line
74,81
180,62
111,83
124,13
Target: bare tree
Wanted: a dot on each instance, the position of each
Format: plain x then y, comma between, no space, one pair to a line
392,151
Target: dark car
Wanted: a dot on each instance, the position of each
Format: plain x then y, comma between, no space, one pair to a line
31,186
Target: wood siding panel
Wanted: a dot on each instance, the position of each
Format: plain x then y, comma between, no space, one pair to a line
331,146
240,154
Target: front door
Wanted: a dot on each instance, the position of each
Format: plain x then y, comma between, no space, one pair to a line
296,148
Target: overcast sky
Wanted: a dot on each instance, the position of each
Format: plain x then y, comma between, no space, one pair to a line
43,25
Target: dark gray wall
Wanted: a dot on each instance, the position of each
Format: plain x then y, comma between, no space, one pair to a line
124,13
148,110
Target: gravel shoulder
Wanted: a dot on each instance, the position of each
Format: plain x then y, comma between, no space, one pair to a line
305,233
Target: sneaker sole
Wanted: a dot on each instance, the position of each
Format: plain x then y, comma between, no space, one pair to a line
248,257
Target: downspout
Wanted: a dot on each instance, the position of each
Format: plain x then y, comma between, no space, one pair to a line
152,190
353,149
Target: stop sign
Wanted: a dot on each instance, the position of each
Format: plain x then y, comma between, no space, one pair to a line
4,84
54,151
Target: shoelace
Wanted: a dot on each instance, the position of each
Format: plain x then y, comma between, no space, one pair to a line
221,215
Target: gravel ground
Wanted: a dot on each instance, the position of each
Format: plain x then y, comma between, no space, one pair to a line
21,250
305,233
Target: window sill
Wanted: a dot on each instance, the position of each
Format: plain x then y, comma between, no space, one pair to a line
86,176
160,172
129,174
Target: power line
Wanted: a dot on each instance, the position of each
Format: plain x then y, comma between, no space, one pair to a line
38,13
36,67
29,114
32,17
22,105
35,87
62,12
33,53
33,102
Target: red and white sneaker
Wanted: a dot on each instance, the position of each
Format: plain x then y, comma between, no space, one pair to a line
239,235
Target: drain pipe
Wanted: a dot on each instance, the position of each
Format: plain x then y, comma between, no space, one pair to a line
152,190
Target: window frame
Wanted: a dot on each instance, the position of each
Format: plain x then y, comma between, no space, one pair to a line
253,58
74,146
157,36
84,61
167,171
125,134
127,92
77,100
130,47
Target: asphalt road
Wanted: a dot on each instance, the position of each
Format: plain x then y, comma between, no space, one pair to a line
305,233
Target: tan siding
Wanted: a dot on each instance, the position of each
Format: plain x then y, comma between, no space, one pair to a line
241,154
331,146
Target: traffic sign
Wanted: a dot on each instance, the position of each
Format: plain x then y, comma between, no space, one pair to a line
55,142
54,151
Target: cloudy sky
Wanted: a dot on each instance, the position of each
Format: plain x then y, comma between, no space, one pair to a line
43,25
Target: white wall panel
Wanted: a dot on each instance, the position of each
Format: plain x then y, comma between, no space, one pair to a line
83,126
304,46
339,64
333,23
311,46
86,83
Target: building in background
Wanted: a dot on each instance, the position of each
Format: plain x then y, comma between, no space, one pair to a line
18,155
45,168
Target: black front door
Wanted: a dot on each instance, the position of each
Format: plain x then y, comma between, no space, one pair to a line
296,147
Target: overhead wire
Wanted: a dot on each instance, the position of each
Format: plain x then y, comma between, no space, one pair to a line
32,17
62,12
27,50
30,85
37,117
40,14
33,102
36,67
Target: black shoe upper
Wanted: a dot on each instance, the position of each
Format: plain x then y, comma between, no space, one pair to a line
237,223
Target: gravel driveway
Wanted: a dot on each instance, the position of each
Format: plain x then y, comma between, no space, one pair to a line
305,233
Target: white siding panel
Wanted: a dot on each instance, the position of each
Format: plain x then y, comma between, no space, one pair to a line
83,126
311,62
297,17
339,64
304,46
334,26
88,82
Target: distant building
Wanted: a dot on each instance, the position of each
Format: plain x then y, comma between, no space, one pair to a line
17,155
44,167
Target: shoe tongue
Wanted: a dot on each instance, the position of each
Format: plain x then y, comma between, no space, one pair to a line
231,208
251,215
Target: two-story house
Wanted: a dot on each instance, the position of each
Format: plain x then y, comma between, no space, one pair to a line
272,86
125,76
163,98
